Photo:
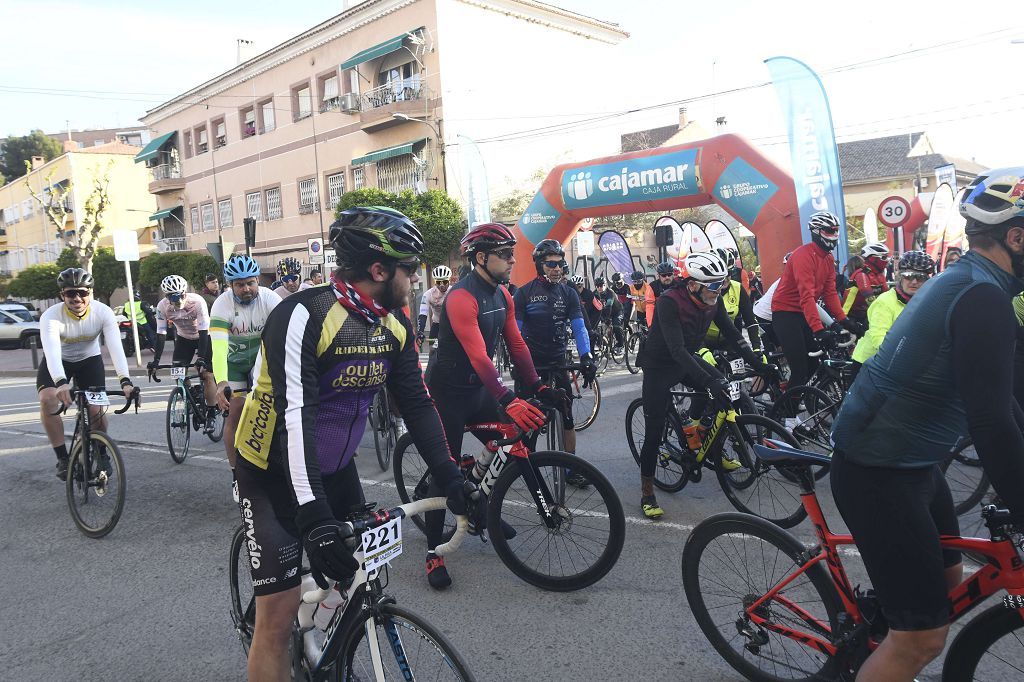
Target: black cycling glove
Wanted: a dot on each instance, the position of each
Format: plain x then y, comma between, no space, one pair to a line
329,545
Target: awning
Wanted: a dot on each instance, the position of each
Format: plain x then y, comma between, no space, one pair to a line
387,47
160,215
153,148
390,152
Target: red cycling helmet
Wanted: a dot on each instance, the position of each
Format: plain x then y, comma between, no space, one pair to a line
487,237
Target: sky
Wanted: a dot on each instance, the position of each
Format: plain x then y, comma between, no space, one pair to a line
888,67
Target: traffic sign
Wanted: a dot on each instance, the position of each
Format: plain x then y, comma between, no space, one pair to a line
315,250
893,211
126,245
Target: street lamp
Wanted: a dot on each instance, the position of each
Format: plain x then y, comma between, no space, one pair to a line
436,130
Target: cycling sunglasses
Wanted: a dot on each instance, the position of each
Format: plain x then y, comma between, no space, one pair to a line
411,266
76,293
915,275
714,286
174,298
503,254
442,282
290,278
554,264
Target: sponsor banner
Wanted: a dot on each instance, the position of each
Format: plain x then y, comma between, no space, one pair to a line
946,174
938,219
721,237
698,239
474,180
585,243
744,190
955,227
870,227
677,234
648,178
812,144
538,219
616,250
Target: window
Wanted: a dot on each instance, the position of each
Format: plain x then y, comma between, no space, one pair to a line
224,209
398,173
207,210
134,139
267,116
254,206
398,83
302,102
98,143
187,137
220,133
274,203
16,212
26,208
329,95
358,181
248,122
309,201
202,143
335,188
194,215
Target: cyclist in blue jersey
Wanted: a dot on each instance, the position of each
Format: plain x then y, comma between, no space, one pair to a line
944,371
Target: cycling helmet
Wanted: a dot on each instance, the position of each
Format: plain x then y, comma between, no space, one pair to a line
993,198
75,277
727,257
441,273
174,284
577,280
918,261
545,249
877,249
617,278
824,228
367,234
637,276
598,282
241,267
705,267
487,237
666,268
288,266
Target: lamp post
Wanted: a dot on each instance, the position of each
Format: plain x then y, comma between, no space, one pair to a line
436,130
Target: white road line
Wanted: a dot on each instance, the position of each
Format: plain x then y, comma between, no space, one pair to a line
633,387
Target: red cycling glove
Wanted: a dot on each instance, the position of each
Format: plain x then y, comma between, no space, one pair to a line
526,416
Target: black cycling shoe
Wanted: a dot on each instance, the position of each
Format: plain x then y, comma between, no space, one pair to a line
62,468
437,574
577,479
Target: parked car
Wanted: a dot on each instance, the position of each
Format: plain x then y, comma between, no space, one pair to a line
15,331
19,310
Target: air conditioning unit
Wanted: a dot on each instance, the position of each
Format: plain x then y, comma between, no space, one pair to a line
350,102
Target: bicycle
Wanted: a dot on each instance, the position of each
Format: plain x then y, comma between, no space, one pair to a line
384,425
751,484
604,347
370,637
95,478
792,608
636,335
187,411
529,492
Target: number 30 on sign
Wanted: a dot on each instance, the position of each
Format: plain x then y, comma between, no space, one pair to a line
893,211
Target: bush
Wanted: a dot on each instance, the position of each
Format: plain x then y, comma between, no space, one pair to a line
192,266
36,282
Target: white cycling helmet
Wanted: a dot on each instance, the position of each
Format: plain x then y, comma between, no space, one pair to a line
705,267
877,249
442,272
993,198
174,284
577,280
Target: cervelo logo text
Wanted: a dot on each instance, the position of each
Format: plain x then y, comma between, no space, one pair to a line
644,178
814,176
255,551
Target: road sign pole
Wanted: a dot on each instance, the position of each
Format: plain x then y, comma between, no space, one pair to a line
131,304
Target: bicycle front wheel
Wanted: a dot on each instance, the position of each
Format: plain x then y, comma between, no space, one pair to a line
179,430
808,413
412,478
243,600
385,431
407,646
95,484
586,402
729,563
582,536
990,647
632,348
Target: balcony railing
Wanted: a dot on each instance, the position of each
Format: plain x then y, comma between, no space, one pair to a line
405,90
166,171
173,244
308,208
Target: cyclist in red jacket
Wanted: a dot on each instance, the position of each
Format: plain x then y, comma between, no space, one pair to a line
870,279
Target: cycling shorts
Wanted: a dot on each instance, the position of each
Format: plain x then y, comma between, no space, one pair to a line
268,519
558,378
239,377
896,517
184,350
88,373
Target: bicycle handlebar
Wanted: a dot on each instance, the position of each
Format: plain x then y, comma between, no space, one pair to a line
152,370
132,398
851,339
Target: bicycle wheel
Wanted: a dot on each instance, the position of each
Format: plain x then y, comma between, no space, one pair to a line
808,413
588,528
990,647
730,561
179,428
385,430
586,402
675,460
412,478
243,600
967,480
632,348
406,645
756,487
95,489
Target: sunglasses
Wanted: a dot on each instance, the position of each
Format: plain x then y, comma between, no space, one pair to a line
174,298
442,282
554,264
714,286
410,266
666,274
503,254
290,278
76,293
916,276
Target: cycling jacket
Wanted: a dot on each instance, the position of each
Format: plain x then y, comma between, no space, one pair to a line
736,302
881,315
809,275
543,313
870,283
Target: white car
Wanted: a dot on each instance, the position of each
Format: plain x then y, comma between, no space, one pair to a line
16,332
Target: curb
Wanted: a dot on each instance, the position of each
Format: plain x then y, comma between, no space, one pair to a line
18,373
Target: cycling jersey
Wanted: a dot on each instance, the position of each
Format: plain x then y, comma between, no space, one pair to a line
189,319
870,283
68,338
430,305
543,312
654,290
680,326
736,302
621,292
283,292
881,314
235,330
638,295
809,275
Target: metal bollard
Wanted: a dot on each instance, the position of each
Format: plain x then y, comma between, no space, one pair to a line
33,342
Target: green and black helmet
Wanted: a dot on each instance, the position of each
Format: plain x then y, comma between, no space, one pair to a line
366,234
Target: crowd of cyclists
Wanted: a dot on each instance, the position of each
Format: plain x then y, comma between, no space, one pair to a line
295,367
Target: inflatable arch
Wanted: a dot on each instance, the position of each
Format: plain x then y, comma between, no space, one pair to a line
725,170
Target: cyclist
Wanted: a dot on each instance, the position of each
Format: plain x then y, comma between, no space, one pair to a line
586,300
463,381
545,308
637,293
324,354
210,290
953,254
870,279
288,272
430,305
914,269
621,290
607,309
681,320
666,271
191,319
69,333
809,275
736,301
143,313
942,372
237,319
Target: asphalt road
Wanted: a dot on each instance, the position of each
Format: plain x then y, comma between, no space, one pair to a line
150,601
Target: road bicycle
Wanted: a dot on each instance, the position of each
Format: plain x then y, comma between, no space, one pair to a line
586,399
369,637
95,483
561,537
605,348
384,425
187,411
636,335
775,608
751,484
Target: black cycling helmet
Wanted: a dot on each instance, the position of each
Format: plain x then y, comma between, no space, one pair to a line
666,268
367,234
288,266
637,276
546,248
75,277
918,261
598,282
617,278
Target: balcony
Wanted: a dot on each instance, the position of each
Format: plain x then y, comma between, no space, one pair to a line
171,244
305,209
397,97
166,178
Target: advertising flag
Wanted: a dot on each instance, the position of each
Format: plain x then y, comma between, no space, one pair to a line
616,250
812,144
474,179
938,219
955,227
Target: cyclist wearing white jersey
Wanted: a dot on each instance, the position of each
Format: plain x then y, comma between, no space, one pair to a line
69,333
433,299
191,319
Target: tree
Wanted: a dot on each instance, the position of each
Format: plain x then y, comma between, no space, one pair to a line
18,152
192,266
36,282
512,205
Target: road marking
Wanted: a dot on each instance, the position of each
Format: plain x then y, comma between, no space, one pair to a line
632,387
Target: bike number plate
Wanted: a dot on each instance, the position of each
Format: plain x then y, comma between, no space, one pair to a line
571,344
382,544
734,390
99,398
737,365
177,372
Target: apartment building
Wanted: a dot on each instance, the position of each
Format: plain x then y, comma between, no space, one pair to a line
28,237
373,97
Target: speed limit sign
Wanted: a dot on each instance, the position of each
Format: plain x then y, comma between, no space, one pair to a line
893,211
